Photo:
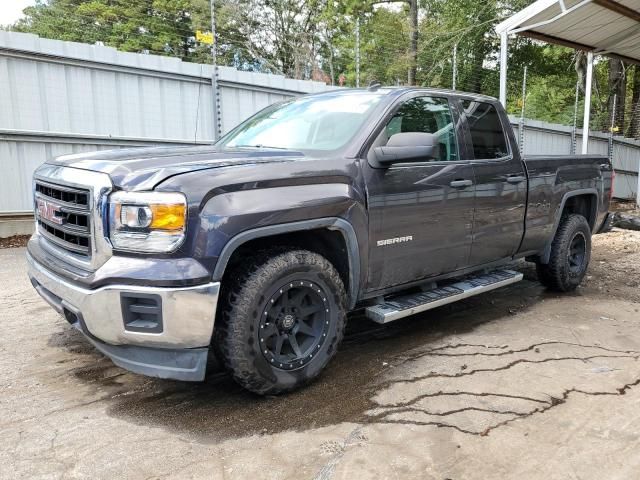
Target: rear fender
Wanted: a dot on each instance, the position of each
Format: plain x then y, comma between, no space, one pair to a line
546,254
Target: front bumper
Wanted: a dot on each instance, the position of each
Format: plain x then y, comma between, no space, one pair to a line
179,350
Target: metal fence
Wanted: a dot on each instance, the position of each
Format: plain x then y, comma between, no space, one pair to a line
63,97
541,138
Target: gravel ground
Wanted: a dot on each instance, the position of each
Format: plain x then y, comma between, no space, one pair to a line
518,383
14,241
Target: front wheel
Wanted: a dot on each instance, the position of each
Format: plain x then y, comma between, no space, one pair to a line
282,320
570,255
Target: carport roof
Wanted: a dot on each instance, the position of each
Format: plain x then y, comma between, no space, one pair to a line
604,27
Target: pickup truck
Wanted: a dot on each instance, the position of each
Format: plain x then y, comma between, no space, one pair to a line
389,200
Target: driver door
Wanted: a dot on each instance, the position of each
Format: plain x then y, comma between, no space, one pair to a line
420,212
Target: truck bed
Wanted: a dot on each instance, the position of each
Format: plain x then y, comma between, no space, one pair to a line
553,179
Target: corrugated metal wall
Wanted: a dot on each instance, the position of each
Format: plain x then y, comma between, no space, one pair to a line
61,97
541,138
64,97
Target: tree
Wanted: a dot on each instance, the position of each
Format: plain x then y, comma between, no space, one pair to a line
617,95
634,124
157,26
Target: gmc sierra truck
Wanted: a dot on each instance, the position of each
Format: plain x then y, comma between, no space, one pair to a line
390,200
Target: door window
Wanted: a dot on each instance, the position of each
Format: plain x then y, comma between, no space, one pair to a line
427,115
487,134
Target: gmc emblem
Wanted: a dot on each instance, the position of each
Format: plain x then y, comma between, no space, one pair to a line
49,211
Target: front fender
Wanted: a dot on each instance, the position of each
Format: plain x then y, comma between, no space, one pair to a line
230,219
330,223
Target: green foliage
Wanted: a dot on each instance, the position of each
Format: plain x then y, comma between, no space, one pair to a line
158,26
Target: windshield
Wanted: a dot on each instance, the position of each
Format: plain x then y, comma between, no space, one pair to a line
325,122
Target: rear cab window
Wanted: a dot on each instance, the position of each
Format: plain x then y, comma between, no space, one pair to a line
487,135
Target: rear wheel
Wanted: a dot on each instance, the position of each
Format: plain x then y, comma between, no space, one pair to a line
282,320
570,255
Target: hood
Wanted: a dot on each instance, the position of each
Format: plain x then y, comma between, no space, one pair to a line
144,168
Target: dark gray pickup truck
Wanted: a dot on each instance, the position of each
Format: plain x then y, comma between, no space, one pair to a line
394,200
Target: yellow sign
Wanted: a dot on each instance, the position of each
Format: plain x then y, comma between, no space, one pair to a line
204,37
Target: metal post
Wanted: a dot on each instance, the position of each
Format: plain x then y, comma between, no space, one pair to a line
638,188
357,52
524,101
504,45
587,104
574,130
215,87
455,66
612,126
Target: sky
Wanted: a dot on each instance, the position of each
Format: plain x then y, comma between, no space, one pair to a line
11,10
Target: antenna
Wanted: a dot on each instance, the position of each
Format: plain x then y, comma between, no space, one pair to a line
374,85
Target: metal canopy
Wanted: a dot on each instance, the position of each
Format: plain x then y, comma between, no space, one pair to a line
599,27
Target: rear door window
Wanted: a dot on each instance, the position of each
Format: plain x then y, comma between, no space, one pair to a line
487,135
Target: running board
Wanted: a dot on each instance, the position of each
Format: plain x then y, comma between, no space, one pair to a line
406,305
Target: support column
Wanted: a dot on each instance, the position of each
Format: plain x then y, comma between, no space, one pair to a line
504,45
215,87
454,73
358,52
638,189
587,104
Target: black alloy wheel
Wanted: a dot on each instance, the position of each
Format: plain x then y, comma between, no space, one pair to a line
577,253
570,255
294,325
281,320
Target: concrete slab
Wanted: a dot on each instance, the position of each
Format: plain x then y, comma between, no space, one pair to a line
519,383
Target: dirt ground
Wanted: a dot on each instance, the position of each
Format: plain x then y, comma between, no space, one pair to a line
518,383
14,241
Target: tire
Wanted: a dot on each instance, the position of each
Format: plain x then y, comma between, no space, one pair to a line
570,255
281,321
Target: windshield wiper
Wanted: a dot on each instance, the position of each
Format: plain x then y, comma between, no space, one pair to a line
261,146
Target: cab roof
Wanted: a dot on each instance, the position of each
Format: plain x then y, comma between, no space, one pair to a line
398,91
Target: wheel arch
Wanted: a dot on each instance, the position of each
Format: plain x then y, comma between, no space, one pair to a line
292,233
584,202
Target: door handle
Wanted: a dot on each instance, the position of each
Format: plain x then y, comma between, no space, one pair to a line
461,183
516,179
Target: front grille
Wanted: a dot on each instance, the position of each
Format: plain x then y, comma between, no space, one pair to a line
63,216
64,194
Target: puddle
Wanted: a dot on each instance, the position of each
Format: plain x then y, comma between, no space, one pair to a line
219,409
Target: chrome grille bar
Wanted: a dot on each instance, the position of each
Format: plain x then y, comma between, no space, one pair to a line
63,216
69,196
53,238
72,228
69,228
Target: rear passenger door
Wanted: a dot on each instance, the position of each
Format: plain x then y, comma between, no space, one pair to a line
501,185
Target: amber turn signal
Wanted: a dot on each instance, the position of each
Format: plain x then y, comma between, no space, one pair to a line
168,217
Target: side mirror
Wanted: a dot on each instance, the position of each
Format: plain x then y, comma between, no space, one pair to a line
407,147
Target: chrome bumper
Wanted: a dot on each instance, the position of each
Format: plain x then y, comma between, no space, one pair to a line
188,316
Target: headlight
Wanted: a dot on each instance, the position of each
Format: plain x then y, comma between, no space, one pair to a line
147,221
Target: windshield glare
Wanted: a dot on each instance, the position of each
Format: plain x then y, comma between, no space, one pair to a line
308,123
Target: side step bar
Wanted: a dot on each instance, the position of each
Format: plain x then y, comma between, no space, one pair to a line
405,305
